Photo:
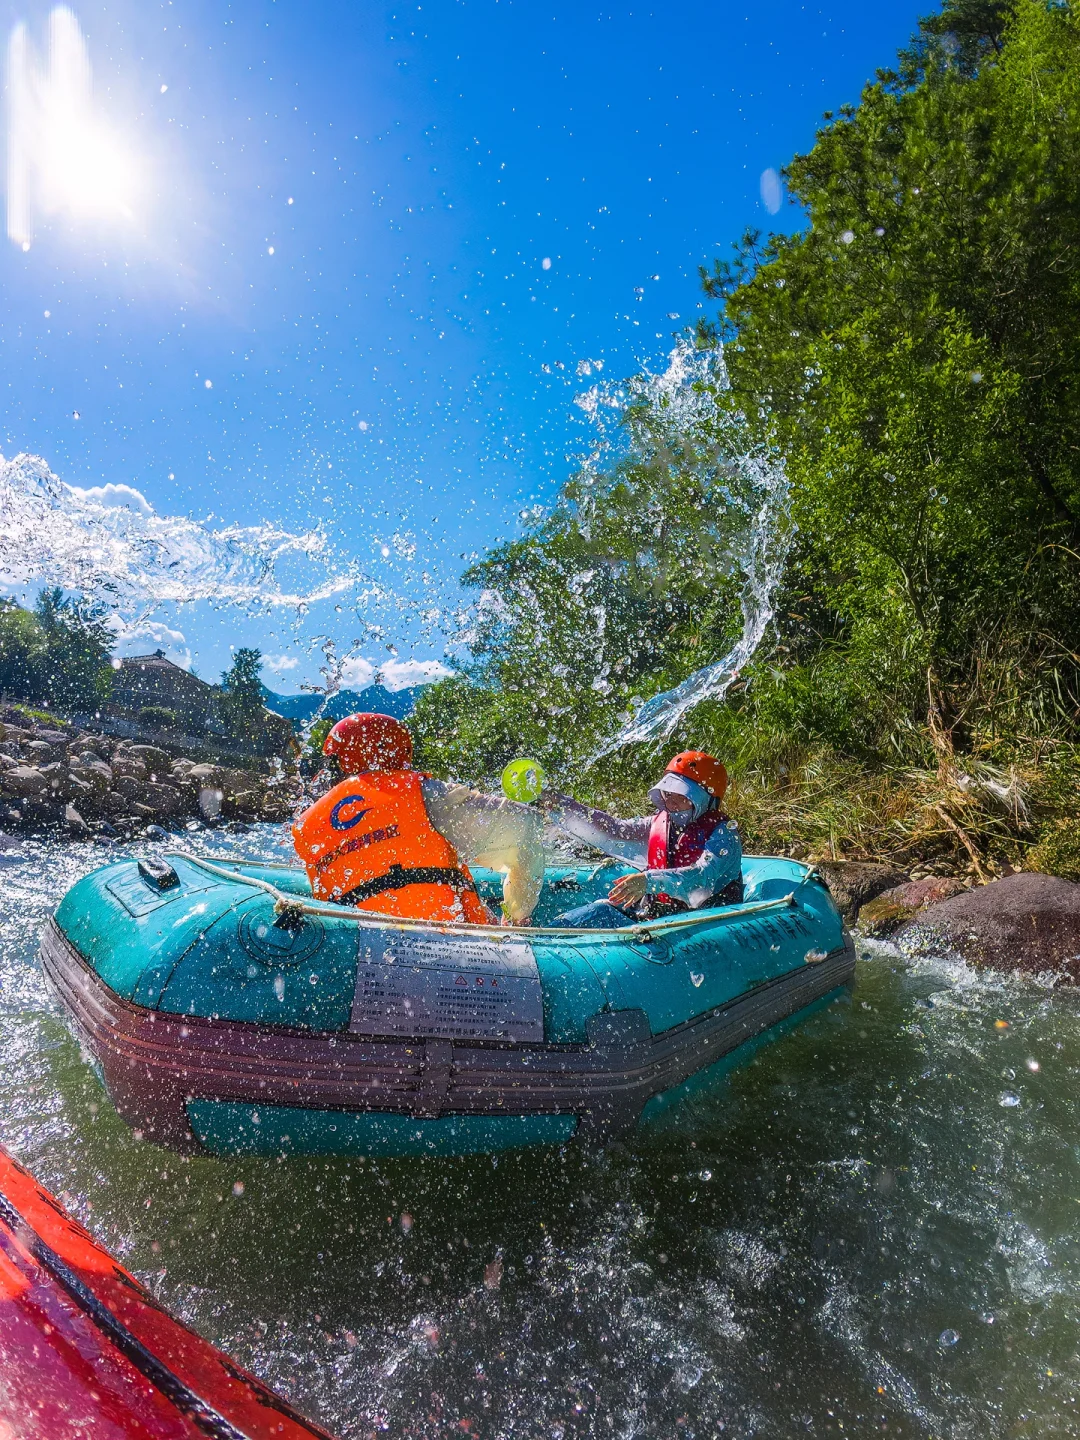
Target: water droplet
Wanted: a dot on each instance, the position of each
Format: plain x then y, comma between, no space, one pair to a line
948,1338
847,236
1032,1065
1008,1099
545,264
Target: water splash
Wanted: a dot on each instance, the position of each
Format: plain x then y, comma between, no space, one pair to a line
680,421
111,546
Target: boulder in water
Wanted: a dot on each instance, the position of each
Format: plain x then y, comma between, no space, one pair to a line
80,830
852,883
893,908
1025,922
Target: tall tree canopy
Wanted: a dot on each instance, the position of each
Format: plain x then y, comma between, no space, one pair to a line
913,354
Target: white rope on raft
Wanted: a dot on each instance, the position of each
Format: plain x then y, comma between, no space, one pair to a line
286,904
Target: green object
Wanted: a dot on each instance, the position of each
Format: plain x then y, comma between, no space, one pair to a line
523,780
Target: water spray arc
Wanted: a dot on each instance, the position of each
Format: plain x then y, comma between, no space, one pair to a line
682,422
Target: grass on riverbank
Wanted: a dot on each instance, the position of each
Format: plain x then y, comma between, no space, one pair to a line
972,816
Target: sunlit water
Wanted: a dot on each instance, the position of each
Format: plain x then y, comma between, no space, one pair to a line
872,1228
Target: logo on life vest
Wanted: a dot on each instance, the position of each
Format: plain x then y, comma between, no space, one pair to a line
335,813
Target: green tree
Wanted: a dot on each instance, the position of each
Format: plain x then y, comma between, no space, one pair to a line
74,671
22,651
241,701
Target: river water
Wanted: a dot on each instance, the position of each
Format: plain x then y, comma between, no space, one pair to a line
872,1228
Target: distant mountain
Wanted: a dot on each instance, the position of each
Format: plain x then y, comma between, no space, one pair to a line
302,707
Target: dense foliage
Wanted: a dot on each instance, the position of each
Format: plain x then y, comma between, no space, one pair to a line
913,354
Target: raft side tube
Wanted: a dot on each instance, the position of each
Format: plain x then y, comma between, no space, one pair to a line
155,1063
85,1349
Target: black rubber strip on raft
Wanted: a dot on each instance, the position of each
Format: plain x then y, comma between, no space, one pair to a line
210,1421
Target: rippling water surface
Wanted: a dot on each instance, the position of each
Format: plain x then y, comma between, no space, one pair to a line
873,1227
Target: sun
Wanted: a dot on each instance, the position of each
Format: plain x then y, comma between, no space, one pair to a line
63,158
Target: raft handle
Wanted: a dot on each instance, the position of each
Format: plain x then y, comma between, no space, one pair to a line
158,874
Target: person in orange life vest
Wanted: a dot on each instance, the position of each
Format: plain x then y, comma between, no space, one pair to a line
689,850
390,839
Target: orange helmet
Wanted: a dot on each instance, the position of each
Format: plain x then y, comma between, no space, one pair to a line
704,769
363,743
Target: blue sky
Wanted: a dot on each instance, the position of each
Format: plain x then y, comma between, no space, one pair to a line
387,236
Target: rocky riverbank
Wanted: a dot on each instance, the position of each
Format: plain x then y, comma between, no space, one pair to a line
56,776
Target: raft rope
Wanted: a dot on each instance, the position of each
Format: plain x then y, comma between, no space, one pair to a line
291,909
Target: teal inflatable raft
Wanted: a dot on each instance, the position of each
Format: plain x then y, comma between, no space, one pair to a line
229,1012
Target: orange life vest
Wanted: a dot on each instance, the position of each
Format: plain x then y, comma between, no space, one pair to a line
369,843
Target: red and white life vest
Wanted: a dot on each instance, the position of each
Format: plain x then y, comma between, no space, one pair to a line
690,842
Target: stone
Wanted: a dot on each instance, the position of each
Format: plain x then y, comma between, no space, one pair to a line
80,830
156,760
23,780
93,772
1027,922
892,908
854,882
39,752
156,832
59,779
207,775
165,800
129,766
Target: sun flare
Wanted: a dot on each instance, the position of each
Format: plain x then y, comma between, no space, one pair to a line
62,157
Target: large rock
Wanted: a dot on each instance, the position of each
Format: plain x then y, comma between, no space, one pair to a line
893,908
156,760
854,882
207,775
130,766
39,752
165,800
1026,922
23,780
93,772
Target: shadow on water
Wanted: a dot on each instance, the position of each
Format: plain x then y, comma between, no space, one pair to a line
869,1228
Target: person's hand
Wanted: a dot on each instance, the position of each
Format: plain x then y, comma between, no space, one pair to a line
628,890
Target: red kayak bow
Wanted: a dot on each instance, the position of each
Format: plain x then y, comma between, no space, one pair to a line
86,1351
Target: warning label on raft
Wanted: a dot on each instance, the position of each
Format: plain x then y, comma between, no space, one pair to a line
447,987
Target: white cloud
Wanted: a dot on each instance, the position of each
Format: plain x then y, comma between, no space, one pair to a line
110,496
148,635
280,663
401,674
358,673
772,191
